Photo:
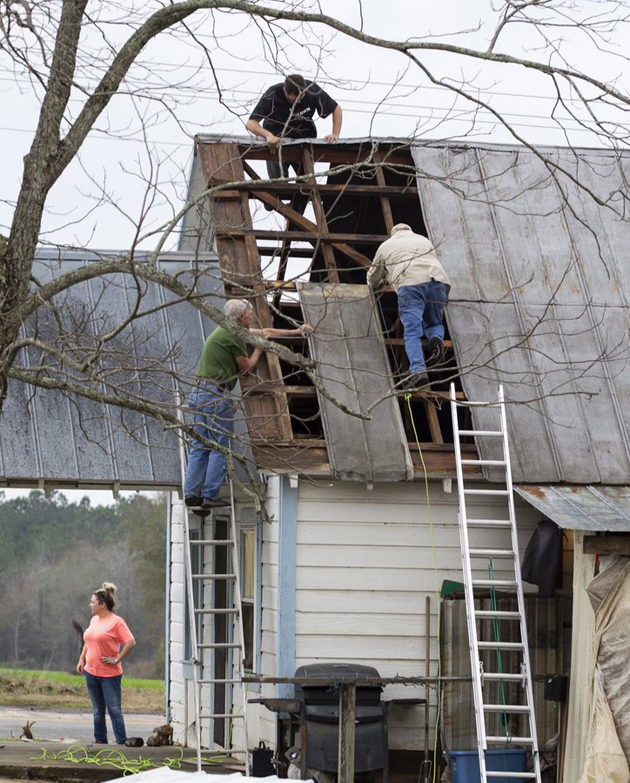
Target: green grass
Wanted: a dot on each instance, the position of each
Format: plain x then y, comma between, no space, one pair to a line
47,689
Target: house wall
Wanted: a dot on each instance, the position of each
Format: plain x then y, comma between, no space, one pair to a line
178,685
364,562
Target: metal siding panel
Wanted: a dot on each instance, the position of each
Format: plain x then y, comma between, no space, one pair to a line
489,351
607,436
129,435
352,363
527,213
599,237
53,435
514,207
599,509
91,428
20,453
155,379
46,436
561,395
459,221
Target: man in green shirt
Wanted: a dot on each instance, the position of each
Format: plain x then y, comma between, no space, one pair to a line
224,357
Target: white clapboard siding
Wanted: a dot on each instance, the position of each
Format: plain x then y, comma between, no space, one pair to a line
269,621
366,560
365,563
177,687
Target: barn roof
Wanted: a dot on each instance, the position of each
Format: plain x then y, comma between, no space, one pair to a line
47,439
539,265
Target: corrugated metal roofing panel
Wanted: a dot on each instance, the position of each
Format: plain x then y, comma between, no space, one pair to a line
601,508
353,365
47,436
539,299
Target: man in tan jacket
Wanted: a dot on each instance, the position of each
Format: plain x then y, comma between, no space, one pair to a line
408,262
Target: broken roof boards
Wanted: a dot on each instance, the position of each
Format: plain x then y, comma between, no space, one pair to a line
539,300
352,366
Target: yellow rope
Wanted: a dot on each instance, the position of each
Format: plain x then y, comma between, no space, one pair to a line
437,588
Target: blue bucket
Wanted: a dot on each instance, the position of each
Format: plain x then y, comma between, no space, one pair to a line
464,764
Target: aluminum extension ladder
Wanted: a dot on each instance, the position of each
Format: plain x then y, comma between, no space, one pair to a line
207,641
472,559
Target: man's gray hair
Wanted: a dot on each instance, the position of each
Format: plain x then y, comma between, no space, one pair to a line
234,308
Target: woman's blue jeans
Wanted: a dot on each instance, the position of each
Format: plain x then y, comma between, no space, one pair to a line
105,692
421,308
214,420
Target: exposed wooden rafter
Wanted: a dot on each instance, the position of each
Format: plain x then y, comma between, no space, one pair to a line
269,403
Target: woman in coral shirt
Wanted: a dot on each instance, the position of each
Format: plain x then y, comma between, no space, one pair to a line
107,641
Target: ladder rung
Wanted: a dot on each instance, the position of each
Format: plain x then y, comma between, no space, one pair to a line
510,741
215,681
489,523
497,676
515,775
494,583
483,433
486,492
216,611
213,576
499,615
210,541
506,708
220,715
219,646
500,645
491,553
484,462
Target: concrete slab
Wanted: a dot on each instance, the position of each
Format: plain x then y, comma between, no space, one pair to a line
65,762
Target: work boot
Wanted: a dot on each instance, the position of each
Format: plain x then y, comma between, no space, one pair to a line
210,503
417,380
193,501
436,352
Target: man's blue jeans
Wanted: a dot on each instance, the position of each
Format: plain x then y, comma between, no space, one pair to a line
214,420
275,171
105,693
421,308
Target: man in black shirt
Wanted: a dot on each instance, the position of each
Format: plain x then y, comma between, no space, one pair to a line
286,111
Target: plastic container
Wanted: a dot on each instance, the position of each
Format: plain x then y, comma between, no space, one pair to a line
464,764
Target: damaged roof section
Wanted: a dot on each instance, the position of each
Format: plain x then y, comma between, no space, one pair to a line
539,300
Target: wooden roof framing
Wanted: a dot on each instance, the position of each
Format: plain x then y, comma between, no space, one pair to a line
359,192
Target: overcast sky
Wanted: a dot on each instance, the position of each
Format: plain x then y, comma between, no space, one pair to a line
380,91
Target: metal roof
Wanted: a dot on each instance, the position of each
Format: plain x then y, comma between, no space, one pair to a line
356,372
601,508
539,299
47,439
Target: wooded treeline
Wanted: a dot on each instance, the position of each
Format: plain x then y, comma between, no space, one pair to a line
54,554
